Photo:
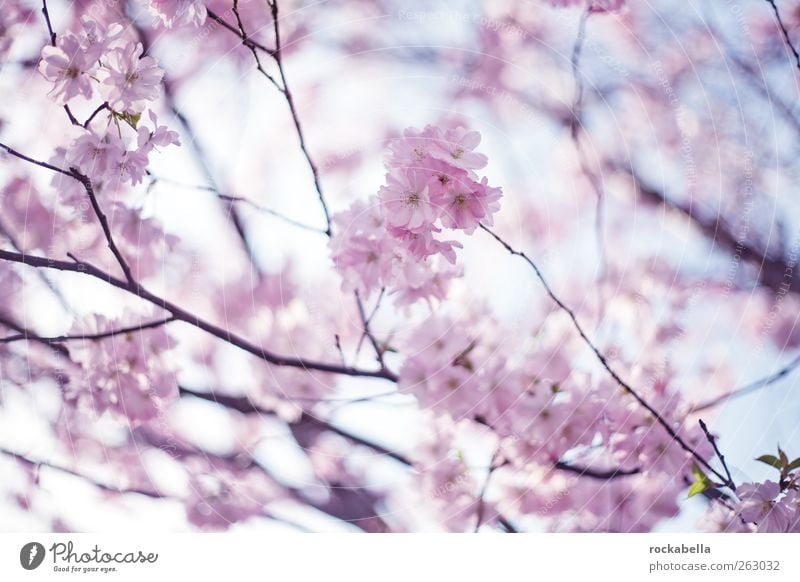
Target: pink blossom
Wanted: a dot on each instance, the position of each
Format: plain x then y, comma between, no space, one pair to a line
95,38
757,504
592,5
456,148
179,12
405,199
127,165
465,206
413,149
159,136
429,186
68,66
125,374
131,79
423,244
222,496
92,154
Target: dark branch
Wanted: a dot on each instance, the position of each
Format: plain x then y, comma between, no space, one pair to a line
772,272
713,440
88,336
87,185
785,32
601,357
178,313
295,116
749,388
596,473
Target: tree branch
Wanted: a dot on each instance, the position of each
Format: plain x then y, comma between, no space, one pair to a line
88,336
785,32
278,56
772,272
713,440
180,314
87,185
749,388
601,357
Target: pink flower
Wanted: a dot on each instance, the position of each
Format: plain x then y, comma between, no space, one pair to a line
68,68
131,80
413,148
123,374
591,5
465,205
757,504
127,165
455,148
95,39
422,244
159,136
179,12
405,200
222,496
92,154
792,502
430,184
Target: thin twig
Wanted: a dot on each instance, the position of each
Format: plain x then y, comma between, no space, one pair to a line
713,440
596,473
25,334
601,357
245,37
278,56
576,128
101,217
50,167
99,484
94,114
246,406
749,388
273,213
83,267
785,32
247,41
367,332
89,336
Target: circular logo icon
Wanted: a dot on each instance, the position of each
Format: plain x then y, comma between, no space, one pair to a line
31,555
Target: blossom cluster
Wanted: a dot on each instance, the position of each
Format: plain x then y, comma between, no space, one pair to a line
100,59
592,5
772,506
394,239
174,13
543,410
223,495
124,374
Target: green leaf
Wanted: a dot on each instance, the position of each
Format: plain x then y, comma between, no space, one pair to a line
697,488
131,119
793,465
770,460
701,481
783,457
698,474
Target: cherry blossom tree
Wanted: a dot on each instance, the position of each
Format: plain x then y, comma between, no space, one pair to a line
386,266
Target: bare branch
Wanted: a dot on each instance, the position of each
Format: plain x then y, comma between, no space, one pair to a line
749,388
713,440
785,32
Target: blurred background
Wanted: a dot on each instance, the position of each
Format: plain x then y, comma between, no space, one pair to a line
678,124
